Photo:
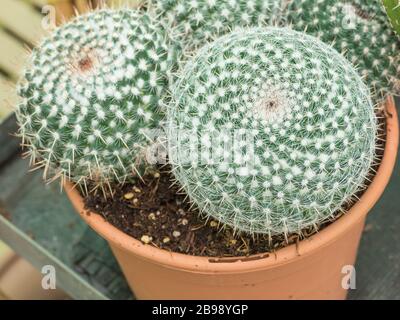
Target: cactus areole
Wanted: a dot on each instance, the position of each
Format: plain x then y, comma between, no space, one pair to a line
91,91
271,131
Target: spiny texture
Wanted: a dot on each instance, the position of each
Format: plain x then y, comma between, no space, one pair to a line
271,131
90,92
392,8
361,31
196,22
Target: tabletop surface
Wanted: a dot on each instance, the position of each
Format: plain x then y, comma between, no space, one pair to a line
39,223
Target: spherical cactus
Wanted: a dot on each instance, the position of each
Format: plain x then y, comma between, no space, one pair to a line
91,92
271,131
361,31
196,22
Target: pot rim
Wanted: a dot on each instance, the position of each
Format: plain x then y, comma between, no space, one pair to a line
282,256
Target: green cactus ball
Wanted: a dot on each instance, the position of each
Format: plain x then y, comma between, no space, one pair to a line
196,22
361,31
271,131
91,91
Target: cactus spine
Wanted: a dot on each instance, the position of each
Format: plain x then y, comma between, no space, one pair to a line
91,91
271,131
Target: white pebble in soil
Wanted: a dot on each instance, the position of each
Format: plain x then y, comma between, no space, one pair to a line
146,239
176,234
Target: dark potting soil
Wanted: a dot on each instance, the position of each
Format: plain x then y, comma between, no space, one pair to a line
152,211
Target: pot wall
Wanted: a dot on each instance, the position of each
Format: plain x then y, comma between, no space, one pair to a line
312,276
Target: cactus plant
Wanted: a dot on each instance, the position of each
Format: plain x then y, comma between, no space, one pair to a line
91,91
196,22
285,130
361,31
392,8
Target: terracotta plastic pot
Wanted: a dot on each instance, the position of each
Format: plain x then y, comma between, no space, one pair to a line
312,269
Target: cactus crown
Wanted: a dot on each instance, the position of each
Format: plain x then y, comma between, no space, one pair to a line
196,22
361,31
91,91
271,131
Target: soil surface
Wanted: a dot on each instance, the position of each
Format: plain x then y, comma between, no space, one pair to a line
152,211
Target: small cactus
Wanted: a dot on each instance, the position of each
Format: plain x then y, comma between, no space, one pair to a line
195,22
90,92
271,131
392,8
361,31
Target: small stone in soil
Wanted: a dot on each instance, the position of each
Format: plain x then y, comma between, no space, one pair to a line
176,234
213,224
146,239
152,216
137,190
166,240
128,196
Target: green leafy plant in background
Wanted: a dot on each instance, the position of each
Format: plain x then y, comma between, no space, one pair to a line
271,131
90,92
393,11
195,22
360,30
